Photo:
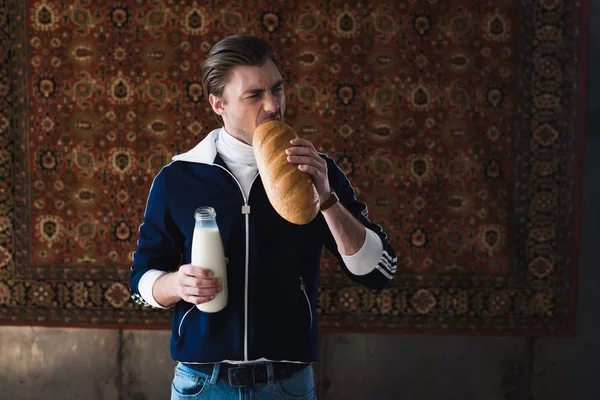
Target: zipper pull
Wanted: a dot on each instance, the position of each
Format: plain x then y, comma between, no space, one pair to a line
302,283
245,209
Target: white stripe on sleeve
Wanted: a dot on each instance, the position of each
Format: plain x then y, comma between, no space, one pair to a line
365,260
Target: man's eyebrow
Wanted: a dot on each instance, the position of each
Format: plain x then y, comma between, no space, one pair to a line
278,84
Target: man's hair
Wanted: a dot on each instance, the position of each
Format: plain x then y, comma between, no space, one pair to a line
229,53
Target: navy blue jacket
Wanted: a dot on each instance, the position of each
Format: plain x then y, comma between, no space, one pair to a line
273,269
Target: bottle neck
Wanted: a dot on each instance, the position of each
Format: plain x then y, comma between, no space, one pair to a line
206,217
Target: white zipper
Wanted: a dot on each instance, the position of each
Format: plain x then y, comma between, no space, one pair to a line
182,319
246,212
303,288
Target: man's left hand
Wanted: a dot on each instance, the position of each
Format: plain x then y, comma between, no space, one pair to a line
304,154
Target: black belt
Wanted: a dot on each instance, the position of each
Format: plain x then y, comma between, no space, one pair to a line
240,375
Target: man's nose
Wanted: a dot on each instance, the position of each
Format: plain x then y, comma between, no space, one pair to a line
271,104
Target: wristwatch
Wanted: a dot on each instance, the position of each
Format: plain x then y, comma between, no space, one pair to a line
331,200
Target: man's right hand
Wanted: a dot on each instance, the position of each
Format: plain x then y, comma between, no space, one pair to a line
190,283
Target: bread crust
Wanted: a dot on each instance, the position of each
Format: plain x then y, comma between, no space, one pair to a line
291,192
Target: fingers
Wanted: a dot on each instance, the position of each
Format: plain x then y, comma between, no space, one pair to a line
299,142
306,155
197,285
308,160
302,147
191,291
200,283
200,292
198,299
309,169
192,270
315,167
320,165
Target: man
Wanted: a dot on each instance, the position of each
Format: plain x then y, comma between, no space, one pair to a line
262,344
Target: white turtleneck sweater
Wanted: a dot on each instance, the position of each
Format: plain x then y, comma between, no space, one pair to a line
240,160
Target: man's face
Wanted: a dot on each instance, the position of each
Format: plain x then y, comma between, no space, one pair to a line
252,96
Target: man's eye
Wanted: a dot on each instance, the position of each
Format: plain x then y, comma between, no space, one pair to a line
278,89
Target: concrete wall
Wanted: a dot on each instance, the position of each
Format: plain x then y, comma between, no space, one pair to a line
91,364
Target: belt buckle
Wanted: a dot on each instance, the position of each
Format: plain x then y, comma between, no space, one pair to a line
240,381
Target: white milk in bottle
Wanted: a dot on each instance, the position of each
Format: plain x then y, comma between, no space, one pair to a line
207,252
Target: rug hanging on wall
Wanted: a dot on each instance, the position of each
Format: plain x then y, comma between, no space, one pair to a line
460,125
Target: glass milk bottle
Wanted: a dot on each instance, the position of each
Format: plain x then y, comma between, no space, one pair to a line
207,252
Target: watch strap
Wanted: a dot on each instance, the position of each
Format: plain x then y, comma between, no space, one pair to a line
331,200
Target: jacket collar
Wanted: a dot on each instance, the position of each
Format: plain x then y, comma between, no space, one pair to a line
204,152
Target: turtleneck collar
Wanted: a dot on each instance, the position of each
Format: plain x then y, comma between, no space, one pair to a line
233,150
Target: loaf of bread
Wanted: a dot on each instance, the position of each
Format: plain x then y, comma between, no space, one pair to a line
290,191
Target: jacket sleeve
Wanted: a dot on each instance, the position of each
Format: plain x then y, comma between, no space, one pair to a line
383,272
160,243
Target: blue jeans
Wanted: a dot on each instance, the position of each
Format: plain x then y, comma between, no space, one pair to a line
191,384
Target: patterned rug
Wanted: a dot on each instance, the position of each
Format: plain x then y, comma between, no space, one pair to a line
459,124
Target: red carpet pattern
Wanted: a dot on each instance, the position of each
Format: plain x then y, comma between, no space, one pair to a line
458,123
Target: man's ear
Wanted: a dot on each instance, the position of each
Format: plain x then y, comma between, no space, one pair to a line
217,104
